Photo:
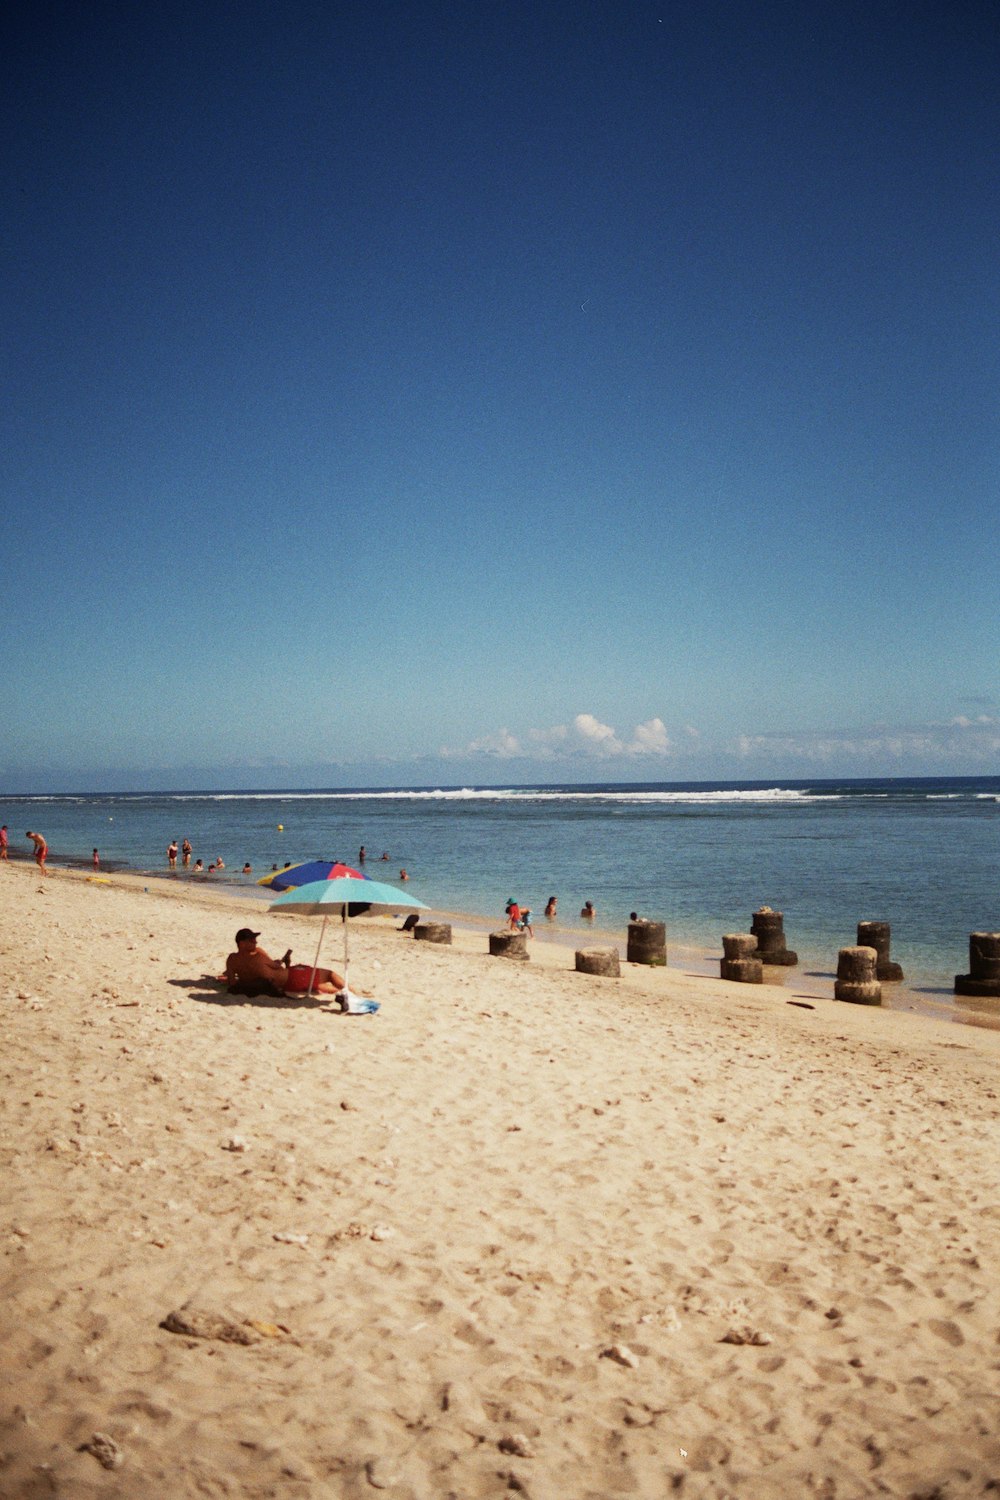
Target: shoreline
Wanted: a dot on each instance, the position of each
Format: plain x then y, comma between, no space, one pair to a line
524,1230
808,980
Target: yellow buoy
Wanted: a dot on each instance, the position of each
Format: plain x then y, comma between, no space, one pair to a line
281,827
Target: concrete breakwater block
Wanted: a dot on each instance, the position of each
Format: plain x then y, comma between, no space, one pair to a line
768,927
602,961
647,942
877,935
509,945
739,959
857,980
432,932
983,977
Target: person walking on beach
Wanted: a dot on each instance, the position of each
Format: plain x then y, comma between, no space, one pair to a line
4,840
513,915
186,853
526,922
172,854
41,850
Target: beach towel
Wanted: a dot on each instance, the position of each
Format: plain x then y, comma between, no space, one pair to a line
355,1005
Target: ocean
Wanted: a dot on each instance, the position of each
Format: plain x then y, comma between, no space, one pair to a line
918,853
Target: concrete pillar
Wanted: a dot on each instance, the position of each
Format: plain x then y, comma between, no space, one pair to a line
983,977
876,935
768,927
509,945
857,979
602,961
647,942
740,962
432,932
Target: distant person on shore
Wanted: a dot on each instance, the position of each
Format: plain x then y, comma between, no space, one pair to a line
251,972
186,853
4,841
526,922
96,860
513,915
588,911
41,850
172,854
550,908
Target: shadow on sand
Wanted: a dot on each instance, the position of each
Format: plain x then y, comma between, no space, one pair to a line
208,991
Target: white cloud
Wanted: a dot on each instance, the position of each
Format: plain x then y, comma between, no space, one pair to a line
586,738
650,738
972,740
597,737
501,745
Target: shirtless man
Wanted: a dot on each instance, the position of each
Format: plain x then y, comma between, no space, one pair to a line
41,849
250,971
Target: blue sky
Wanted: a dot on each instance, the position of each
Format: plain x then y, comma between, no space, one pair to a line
433,392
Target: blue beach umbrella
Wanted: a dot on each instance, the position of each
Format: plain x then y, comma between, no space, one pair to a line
326,898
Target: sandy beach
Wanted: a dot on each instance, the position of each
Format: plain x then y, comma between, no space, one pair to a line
524,1231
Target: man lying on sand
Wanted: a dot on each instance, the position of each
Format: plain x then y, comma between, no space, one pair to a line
250,971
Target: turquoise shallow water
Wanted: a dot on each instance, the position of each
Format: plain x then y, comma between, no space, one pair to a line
921,854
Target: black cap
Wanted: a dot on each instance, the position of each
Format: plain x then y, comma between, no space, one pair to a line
246,936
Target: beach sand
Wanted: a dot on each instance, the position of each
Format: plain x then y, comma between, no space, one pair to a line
525,1231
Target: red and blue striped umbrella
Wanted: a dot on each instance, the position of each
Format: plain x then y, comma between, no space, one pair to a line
308,871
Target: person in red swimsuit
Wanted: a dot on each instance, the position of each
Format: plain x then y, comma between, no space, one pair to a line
41,849
251,971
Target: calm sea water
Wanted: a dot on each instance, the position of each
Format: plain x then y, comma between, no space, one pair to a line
921,854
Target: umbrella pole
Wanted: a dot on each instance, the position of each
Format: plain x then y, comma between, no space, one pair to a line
312,976
347,928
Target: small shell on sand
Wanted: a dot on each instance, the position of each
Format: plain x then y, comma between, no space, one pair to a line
622,1355
516,1443
207,1325
745,1335
104,1449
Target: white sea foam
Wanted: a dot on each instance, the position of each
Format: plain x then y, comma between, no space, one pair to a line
516,794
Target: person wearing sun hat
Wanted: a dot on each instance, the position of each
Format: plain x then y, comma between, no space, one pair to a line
250,971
